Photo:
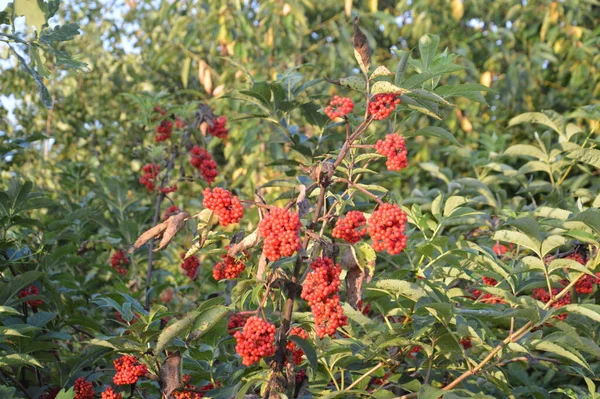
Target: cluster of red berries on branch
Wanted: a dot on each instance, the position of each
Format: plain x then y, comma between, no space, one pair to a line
338,107
255,341
229,268
478,295
219,128
301,376
382,105
350,228
542,294
129,369
169,189
196,393
297,353
500,249
236,322
32,290
160,110
364,309
489,281
281,232
163,131
83,389
148,179
320,290
119,261
203,161
386,227
394,148
226,206
414,350
466,342
585,285
190,265
172,210
109,393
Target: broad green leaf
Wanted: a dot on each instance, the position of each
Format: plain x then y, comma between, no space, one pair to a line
386,87
428,392
551,120
207,319
590,156
529,226
19,359
401,288
185,71
433,131
552,242
554,213
472,91
308,349
435,71
66,393
570,353
585,309
365,256
381,70
517,238
526,150
357,316
401,68
428,45
354,82
453,203
34,16
174,330
9,310
60,33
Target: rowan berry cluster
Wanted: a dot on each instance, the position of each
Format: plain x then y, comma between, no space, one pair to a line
394,148
119,261
301,376
478,295
160,110
226,206
235,322
163,131
109,393
229,268
320,290
466,342
414,350
364,309
219,128
489,281
338,107
255,341
83,389
197,393
203,161
499,249
383,104
350,228
172,210
297,353
148,179
129,369
544,296
281,232
190,265
167,190
386,228
32,290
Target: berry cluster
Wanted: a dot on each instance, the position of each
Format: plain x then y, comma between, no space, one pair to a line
129,369
350,228
219,128
190,265
466,342
364,309
338,107
585,285
167,190
163,131
226,206
83,389
172,210
414,350
320,290
382,105
196,393
229,268
280,229
235,322
110,394
202,160
386,227
255,341
394,148
543,295
119,261
32,290
478,295
160,110
301,376
297,353
489,281
499,249
150,174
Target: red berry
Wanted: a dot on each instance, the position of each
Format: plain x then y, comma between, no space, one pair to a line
172,210
198,394
386,227
227,207
280,230
119,261
499,249
489,281
32,290
228,269
148,179
338,107
320,290
466,342
350,228
382,105
235,322
255,341
203,161
414,350
110,394
297,353
129,369
542,294
83,389
219,128
190,265
163,131
394,148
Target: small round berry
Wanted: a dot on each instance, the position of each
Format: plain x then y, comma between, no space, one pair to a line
32,290
109,393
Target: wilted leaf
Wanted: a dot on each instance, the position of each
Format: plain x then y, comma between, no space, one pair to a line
362,51
167,230
170,378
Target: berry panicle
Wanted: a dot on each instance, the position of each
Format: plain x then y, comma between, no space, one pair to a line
129,370
226,206
190,265
119,261
281,232
394,148
203,161
229,268
382,105
338,107
31,290
255,341
351,227
386,227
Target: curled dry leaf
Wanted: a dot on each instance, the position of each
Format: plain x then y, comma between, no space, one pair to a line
355,277
249,241
166,231
170,377
362,51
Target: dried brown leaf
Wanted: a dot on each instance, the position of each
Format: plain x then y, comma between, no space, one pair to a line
170,377
167,230
250,241
362,51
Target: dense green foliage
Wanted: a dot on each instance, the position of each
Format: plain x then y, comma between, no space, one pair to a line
501,117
